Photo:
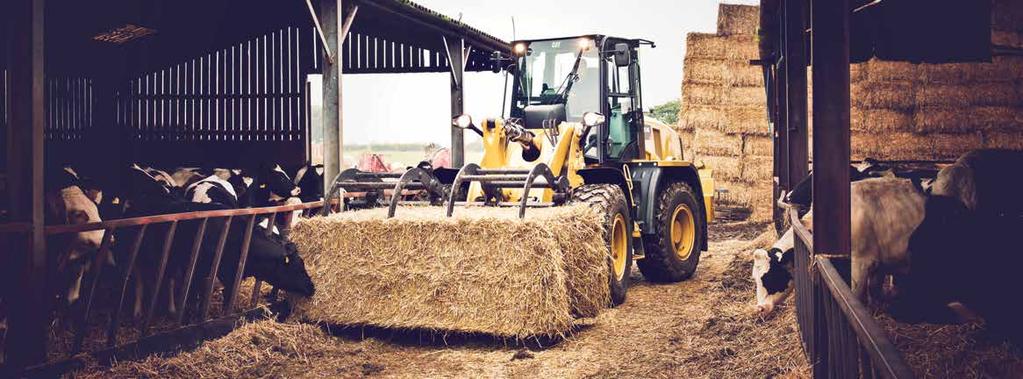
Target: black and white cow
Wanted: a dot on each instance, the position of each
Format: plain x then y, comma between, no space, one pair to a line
213,189
309,179
885,212
67,204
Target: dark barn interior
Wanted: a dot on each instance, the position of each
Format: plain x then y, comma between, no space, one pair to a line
212,83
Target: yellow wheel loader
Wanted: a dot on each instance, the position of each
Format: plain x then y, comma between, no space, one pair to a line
576,134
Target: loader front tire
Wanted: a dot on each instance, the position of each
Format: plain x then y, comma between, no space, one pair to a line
673,251
609,201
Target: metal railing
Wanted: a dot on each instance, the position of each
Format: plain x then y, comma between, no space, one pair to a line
196,326
839,335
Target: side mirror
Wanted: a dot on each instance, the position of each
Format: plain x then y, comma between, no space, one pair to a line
623,55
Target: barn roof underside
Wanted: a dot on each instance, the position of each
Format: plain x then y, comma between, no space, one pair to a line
919,31
387,36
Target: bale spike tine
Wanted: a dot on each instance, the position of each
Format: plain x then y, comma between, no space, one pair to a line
132,255
160,273
413,174
214,267
469,169
537,170
97,269
200,234
232,295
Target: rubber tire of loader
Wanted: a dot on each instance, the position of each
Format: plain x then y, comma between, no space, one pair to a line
609,200
661,263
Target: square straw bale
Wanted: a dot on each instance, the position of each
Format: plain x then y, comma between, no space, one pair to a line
482,271
733,73
713,142
881,120
757,145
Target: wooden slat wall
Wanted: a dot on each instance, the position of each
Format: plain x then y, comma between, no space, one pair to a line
251,91
69,106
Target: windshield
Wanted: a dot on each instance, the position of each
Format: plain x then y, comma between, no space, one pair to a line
545,76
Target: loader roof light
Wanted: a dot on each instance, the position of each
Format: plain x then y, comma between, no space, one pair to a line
520,49
593,119
586,44
462,122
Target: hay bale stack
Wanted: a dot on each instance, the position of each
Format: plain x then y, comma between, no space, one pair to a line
900,110
738,19
482,271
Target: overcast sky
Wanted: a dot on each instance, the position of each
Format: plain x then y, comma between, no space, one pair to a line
415,108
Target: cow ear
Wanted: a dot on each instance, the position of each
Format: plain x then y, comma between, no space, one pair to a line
786,257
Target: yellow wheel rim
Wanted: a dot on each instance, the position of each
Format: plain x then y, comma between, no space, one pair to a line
619,245
683,232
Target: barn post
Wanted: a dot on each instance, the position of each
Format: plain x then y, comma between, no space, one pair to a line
780,126
27,323
831,127
795,92
456,58
333,122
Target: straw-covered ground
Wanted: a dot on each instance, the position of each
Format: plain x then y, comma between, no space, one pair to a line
699,328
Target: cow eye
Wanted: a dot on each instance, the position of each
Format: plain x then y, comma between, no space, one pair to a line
77,217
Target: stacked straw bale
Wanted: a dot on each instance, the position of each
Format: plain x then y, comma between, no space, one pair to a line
900,111
482,271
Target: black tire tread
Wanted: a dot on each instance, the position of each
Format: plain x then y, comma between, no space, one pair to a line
605,198
660,263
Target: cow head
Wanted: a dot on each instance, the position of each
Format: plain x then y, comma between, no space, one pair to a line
309,180
772,274
280,184
67,204
285,271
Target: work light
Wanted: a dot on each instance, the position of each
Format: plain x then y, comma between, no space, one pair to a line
592,119
462,122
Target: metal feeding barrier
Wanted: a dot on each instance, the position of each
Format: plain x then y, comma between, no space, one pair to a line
188,329
839,335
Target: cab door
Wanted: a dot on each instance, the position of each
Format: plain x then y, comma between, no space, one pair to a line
623,105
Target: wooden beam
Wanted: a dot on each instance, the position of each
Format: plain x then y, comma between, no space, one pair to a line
797,142
27,323
830,21
456,58
333,121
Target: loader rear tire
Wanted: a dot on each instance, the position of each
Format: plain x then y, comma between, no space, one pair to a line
673,251
609,201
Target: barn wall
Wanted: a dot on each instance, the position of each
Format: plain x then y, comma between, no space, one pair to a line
900,111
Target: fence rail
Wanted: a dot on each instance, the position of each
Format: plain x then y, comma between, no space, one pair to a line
840,337
169,225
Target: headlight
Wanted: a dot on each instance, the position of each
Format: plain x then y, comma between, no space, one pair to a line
462,122
592,119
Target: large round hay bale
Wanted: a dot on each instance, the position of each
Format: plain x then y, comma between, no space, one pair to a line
482,271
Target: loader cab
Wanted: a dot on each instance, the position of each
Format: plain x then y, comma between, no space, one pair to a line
563,79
